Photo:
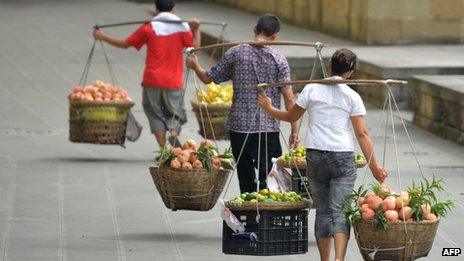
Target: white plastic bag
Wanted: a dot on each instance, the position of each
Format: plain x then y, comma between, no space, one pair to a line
133,129
279,179
231,220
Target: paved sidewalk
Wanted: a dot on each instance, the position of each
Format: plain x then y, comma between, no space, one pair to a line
65,201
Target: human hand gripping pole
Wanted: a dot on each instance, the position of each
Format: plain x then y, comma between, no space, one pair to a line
264,101
98,34
194,24
191,61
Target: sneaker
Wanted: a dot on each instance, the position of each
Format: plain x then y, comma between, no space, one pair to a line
174,141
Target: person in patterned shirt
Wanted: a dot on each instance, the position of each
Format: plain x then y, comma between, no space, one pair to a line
244,65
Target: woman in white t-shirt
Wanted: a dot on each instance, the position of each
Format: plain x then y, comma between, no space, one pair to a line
330,149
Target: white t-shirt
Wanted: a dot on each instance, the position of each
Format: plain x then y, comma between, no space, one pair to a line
330,108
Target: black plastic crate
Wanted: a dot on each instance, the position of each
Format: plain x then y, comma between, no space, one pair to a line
278,233
298,182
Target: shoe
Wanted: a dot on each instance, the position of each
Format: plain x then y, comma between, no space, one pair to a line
174,142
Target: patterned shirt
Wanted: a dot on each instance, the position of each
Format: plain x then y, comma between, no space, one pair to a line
245,65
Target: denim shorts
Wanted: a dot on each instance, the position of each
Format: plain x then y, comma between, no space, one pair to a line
331,177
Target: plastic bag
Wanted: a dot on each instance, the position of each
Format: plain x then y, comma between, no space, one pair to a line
279,179
133,128
231,220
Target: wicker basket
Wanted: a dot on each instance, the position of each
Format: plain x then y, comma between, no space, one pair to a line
98,122
397,243
297,163
189,189
218,114
301,164
271,206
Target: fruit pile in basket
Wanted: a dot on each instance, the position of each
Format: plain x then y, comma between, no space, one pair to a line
99,91
382,205
267,196
190,156
216,94
297,158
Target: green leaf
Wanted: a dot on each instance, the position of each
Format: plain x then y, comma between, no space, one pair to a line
380,222
352,212
443,208
375,188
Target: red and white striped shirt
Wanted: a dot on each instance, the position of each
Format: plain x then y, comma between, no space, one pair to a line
165,43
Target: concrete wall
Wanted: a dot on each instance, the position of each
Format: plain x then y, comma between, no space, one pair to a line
439,105
372,22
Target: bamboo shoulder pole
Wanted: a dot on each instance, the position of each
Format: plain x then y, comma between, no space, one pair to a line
332,82
97,26
258,43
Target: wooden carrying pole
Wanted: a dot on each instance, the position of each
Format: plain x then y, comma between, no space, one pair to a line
97,26
260,43
331,82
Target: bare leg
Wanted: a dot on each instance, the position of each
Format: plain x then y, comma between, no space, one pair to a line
161,139
340,242
324,245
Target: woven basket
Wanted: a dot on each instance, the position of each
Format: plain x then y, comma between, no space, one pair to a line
271,206
396,243
98,122
189,189
301,164
218,114
297,163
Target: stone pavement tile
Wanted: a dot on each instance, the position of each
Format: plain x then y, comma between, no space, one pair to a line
13,115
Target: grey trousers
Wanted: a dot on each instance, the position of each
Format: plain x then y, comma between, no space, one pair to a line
331,177
164,109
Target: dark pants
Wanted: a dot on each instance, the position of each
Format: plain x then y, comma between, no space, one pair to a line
248,162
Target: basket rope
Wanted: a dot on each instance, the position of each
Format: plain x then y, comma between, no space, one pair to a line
83,78
395,146
411,144
384,156
223,37
88,63
377,249
377,132
198,88
114,80
196,196
389,120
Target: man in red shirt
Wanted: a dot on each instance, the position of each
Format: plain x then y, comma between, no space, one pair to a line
162,79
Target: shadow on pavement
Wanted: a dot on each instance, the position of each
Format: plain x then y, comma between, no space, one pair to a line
165,237
96,160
